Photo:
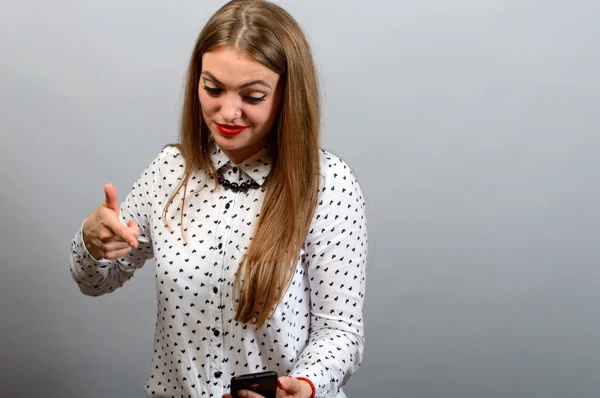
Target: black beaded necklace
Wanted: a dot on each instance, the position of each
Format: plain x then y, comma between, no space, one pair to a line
234,186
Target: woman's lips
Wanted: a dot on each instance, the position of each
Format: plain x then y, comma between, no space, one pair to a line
230,129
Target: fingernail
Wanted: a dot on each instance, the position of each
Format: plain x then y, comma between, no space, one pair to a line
243,393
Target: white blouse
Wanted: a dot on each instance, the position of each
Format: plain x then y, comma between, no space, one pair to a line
317,329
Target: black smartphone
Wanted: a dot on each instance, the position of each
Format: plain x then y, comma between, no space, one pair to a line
263,383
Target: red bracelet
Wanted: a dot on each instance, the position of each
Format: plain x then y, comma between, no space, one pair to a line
312,386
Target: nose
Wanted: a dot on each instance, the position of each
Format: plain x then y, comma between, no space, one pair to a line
231,107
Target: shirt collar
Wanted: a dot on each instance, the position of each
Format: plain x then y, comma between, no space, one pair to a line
257,167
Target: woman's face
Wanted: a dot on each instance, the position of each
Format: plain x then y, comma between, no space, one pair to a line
240,100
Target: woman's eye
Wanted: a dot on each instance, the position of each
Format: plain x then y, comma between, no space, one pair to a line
255,100
212,90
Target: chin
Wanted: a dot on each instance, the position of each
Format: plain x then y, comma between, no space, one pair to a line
226,142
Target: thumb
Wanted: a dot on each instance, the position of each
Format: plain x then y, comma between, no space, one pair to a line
290,385
112,197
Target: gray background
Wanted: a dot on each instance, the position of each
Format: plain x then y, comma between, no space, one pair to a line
472,126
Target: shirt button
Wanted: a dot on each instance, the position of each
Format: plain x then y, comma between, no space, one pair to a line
216,332
215,290
218,374
227,206
220,245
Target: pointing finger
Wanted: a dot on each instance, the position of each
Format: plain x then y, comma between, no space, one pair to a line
123,232
133,227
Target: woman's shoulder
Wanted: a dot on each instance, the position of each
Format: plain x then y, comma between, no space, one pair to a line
167,165
331,163
170,151
334,170
168,154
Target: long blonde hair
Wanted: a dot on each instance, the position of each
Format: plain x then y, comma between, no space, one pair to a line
272,37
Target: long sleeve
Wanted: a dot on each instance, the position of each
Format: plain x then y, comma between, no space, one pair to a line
98,277
335,257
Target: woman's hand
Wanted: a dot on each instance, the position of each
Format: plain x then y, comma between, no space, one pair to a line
288,387
103,233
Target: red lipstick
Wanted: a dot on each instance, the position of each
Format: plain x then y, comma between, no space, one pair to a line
230,129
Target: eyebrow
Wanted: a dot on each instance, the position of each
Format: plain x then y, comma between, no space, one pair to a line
252,83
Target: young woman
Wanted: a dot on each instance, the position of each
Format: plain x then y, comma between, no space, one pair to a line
259,236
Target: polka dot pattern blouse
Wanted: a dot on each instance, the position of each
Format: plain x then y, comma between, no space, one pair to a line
317,329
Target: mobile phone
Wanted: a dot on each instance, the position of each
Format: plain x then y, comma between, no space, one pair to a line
263,383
